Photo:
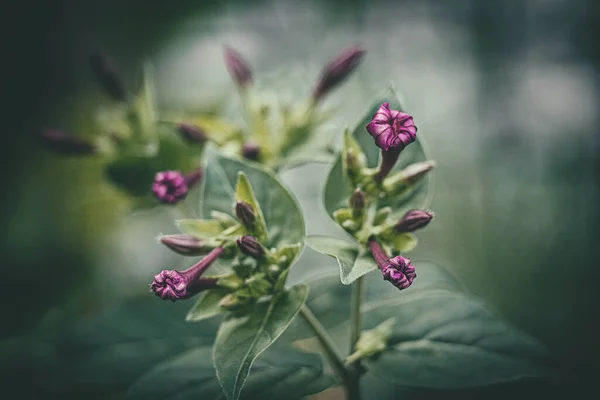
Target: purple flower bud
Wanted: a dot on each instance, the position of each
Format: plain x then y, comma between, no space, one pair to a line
251,151
192,133
397,270
338,70
183,244
250,246
194,177
358,200
245,213
105,70
170,187
64,143
174,285
238,68
413,220
414,172
392,129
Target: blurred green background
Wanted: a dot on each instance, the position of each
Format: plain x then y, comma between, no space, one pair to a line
505,93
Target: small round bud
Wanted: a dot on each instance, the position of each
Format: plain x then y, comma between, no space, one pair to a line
251,151
250,247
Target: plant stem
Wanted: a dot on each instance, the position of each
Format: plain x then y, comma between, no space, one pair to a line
348,379
355,324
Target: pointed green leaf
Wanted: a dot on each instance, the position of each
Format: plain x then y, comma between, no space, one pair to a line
244,192
241,339
200,228
207,305
281,372
280,210
352,264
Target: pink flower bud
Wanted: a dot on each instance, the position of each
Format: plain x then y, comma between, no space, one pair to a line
192,133
64,143
170,187
238,68
250,246
338,70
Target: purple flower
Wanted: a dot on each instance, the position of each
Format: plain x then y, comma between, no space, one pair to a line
250,246
392,129
338,70
184,244
105,70
238,68
64,143
170,187
397,270
413,220
192,133
175,285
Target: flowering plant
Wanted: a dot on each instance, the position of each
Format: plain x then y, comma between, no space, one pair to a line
404,322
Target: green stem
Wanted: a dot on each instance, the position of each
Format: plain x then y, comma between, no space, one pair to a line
348,379
355,324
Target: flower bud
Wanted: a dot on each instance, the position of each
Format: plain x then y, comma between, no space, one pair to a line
358,200
192,133
105,70
397,270
63,143
184,244
175,285
392,129
250,247
193,178
414,172
338,70
170,187
251,151
238,68
413,220
245,213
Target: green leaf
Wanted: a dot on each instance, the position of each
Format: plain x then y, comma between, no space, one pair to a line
280,210
448,340
352,263
404,242
337,189
241,339
207,305
144,117
200,228
281,372
244,192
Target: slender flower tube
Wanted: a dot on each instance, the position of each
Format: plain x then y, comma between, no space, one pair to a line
64,143
184,244
338,70
192,133
397,270
238,68
413,220
245,213
105,70
175,285
250,246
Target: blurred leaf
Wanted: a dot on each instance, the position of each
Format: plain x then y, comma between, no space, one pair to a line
352,264
207,305
143,118
281,211
337,189
281,372
200,228
241,339
446,339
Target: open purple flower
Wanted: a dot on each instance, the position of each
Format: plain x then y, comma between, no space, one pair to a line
392,129
175,285
171,187
397,270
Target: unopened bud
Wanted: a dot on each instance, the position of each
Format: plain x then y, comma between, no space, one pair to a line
238,68
192,133
64,143
250,246
245,213
184,244
338,70
358,200
193,178
414,172
251,151
413,220
170,187
105,70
